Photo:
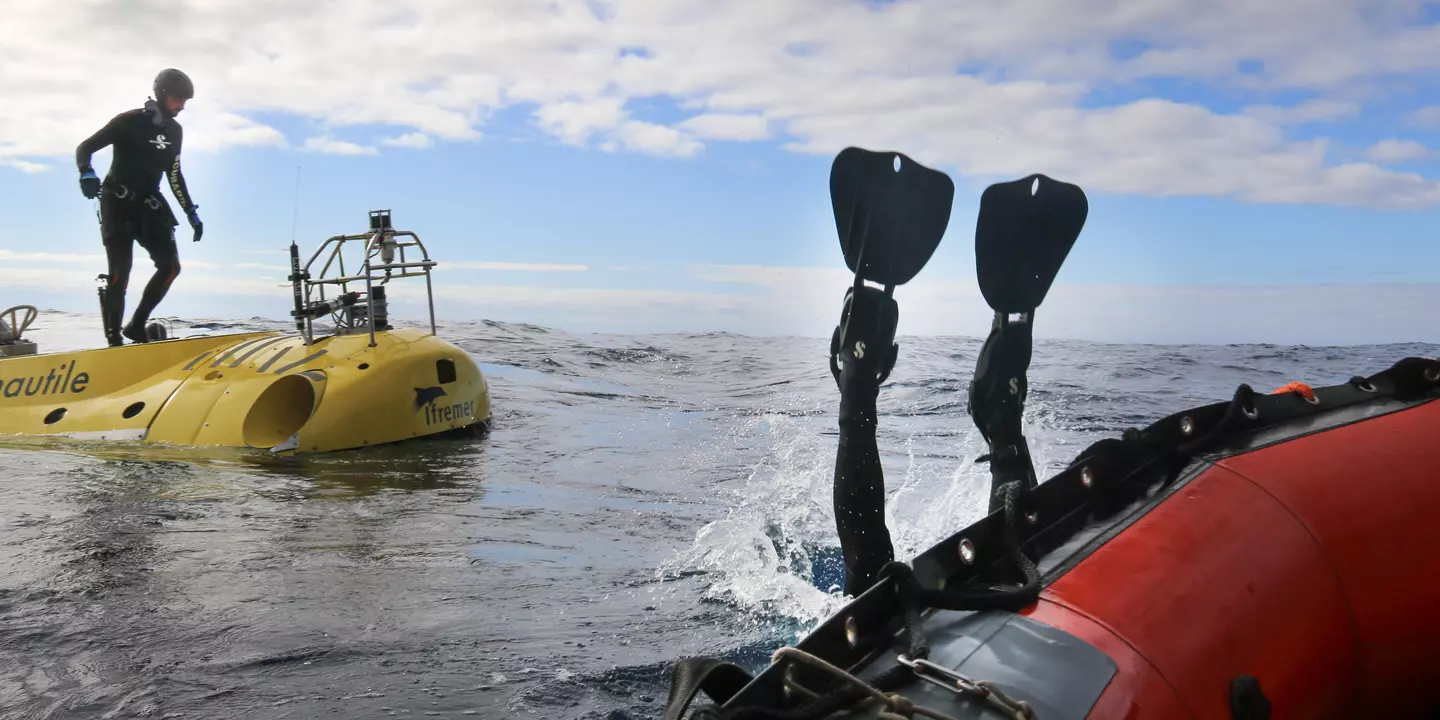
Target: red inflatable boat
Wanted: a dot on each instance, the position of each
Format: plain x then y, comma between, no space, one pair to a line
1310,563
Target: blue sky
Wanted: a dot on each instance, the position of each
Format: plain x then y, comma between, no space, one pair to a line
1255,173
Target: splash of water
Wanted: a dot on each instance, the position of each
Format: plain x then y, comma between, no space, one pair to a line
760,554
767,556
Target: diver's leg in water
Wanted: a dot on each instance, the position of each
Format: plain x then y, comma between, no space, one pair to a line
158,238
117,232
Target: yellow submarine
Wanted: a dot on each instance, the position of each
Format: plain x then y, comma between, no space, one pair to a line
364,383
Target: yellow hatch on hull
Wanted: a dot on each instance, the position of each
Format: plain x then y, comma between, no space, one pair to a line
260,390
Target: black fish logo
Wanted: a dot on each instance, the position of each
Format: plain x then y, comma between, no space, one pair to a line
425,396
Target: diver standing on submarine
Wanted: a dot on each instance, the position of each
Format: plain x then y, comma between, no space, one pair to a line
146,144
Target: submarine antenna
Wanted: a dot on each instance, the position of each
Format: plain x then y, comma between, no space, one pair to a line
295,216
297,277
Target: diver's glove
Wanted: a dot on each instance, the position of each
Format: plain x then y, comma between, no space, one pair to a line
193,215
90,184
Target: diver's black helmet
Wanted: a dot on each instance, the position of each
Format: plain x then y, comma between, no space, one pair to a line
172,82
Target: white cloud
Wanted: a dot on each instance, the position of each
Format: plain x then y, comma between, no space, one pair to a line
1394,150
574,122
818,73
415,140
1322,314
10,256
22,258
720,126
211,130
337,147
1148,147
228,286
42,279
1426,117
778,277
24,166
34,278
262,266
1310,111
524,267
653,139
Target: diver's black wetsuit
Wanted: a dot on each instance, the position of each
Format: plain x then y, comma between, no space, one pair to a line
146,145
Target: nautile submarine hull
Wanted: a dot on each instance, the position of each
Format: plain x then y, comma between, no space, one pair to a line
260,390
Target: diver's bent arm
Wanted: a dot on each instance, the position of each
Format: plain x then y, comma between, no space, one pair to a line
102,138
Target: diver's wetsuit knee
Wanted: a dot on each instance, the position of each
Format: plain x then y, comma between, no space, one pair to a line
119,221
166,257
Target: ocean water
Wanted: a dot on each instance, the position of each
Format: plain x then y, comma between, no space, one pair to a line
638,499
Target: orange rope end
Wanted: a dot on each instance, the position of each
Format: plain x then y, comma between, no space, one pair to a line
1299,387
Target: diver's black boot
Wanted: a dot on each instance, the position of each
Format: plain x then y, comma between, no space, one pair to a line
154,292
136,332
